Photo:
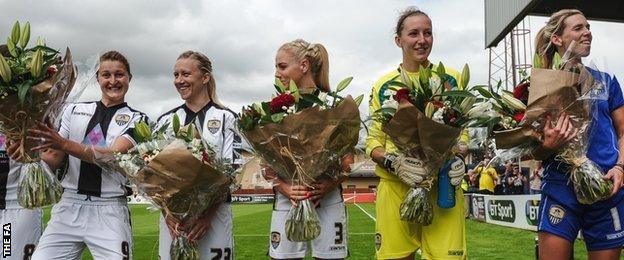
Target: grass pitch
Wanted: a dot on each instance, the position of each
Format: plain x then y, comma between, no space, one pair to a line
251,229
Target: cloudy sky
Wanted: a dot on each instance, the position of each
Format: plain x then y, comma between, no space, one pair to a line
241,37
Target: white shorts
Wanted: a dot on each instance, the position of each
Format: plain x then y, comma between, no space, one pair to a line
21,229
331,243
218,243
102,224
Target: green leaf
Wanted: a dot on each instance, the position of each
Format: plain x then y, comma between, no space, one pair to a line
537,61
276,118
484,92
311,98
440,70
294,90
25,37
266,108
386,110
343,84
22,91
359,99
246,123
556,62
176,124
280,87
15,34
11,47
455,93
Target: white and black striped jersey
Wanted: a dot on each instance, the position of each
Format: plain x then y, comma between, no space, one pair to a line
9,175
92,123
217,126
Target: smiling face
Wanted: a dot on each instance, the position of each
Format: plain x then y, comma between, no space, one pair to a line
576,28
114,81
416,38
189,79
287,67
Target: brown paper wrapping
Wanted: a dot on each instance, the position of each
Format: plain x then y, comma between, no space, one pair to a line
181,184
414,133
552,92
311,140
48,97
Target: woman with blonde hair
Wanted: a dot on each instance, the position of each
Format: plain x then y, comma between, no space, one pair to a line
194,81
307,64
562,216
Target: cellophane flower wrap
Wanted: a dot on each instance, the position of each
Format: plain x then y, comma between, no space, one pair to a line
180,174
34,85
302,136
424,118
573,90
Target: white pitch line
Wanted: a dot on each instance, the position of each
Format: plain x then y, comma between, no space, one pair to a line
365,212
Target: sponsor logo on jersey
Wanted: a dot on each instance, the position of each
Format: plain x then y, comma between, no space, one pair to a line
502,210
214,125
377,241
555,214
122,119
532,210
76,113
456,252
337,248
276,238
6,240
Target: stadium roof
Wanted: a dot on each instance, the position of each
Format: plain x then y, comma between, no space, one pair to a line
502,15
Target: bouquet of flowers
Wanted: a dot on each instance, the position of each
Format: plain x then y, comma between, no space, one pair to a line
424,119
572,90
34,85
181,175
302,136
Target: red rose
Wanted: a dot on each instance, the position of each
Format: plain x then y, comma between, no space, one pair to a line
521,92
52,70
283,100
518,116
402,94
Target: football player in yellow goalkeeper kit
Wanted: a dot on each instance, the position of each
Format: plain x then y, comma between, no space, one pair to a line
396,239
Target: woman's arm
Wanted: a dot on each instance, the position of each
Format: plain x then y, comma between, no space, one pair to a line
615,173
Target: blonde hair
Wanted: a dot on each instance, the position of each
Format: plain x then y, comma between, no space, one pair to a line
555,25
317,55
205,65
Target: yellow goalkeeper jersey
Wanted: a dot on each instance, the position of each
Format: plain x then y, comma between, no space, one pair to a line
382,92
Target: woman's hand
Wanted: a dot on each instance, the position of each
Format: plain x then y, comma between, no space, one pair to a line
615,175
294,193
12,149
555,137
201,225
322,187
48,137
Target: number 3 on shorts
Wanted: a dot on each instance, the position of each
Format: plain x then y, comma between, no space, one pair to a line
339,236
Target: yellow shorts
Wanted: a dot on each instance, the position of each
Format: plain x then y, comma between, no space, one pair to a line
445,238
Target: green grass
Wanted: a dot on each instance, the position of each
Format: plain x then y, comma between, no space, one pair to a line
251,228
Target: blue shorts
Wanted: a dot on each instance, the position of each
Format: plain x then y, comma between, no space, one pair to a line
562,215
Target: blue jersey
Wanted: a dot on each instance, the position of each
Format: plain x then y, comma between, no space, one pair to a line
560,212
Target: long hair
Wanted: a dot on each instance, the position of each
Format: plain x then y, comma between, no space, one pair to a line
317,55
205,65
555,25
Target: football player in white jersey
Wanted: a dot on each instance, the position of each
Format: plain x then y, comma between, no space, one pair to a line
308,66
93,210
195,83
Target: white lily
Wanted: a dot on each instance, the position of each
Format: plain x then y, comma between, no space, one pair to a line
390,103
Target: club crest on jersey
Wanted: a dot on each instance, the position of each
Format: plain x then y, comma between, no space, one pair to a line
555,214
275,239
122,119
214,125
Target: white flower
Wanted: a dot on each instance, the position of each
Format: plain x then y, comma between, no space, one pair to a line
322,96
390,103
438,116
480,109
